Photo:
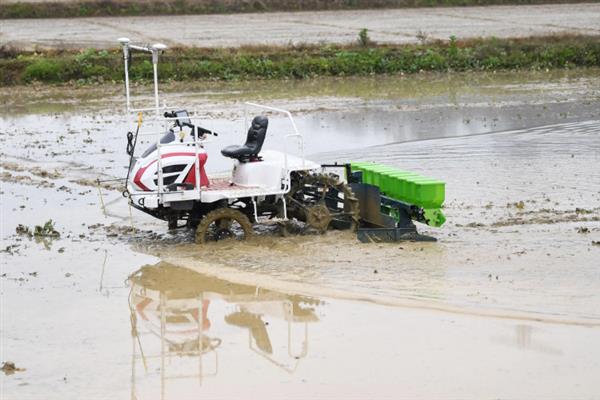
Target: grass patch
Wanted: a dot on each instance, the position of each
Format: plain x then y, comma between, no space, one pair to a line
304,61
96,8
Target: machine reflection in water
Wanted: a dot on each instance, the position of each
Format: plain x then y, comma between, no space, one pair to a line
173,310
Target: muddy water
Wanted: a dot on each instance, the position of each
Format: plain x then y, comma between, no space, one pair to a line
494,253
510,291
165,332
86,125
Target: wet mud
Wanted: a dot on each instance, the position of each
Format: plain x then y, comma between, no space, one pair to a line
117,305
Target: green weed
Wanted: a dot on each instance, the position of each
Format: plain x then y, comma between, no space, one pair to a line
363,37
305,61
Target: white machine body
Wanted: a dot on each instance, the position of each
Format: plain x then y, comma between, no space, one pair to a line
171,173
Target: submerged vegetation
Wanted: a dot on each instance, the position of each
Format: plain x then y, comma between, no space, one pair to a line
96,8
46,230
304,61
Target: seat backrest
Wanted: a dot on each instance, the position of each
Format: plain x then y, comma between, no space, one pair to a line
256,134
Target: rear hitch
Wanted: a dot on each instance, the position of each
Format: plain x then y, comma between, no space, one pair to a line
383,219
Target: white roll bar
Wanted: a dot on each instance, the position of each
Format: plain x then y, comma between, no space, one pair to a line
296,133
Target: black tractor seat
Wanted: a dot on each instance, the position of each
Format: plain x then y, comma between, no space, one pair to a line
254,141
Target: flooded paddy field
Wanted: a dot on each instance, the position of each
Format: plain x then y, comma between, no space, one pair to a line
505,303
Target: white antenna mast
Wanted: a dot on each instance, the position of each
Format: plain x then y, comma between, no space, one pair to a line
125,43
155,49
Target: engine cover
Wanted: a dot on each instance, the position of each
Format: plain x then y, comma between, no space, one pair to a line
177,167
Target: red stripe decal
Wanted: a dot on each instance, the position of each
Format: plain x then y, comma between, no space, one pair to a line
138,176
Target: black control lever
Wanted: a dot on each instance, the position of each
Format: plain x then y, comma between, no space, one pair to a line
203,131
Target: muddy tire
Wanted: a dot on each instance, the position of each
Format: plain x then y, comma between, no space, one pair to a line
223,223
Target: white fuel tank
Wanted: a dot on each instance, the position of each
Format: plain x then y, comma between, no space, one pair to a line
268,173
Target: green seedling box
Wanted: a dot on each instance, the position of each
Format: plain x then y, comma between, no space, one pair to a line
395,184
379,176
403,185
426,192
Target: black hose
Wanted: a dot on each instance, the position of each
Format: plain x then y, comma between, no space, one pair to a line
131,143
130,146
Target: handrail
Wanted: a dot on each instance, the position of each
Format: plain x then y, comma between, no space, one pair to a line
160,118
295,134
146,109
159,169
281,110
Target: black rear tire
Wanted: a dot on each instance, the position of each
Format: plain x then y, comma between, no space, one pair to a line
218,224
